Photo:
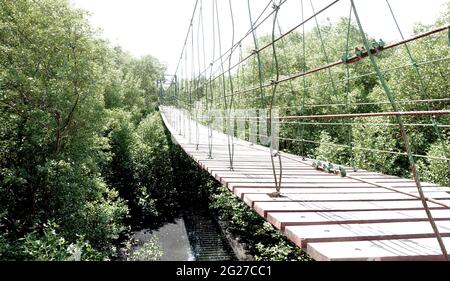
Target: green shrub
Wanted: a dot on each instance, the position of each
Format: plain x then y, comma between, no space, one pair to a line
51,246
371,141
150,251
152,169
281,251
329,151
97,213
436,170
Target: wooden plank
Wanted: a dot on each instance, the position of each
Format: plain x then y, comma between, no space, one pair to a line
287,185
300,180
314,190
265,171
370,175
302,235
378,250
322,193
250,198
283,219
225,167
408,184
269,174
263,208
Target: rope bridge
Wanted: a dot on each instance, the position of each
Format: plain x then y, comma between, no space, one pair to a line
292,123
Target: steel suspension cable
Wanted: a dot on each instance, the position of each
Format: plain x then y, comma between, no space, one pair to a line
340,62
256,23
285,56
240,92
230,126
274,90
325,54
258,57
189,83
302,110
184,101
187,36
205,89
326,57
347,91
197,89
211,91
179,100
365,148
254,27
223,83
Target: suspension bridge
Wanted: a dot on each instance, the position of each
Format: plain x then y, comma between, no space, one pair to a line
249,120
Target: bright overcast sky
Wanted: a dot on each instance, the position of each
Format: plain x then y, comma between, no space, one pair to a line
158,27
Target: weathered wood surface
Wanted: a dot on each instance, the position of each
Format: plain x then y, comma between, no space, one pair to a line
363,216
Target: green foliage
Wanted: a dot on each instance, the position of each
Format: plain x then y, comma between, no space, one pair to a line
377,138
149,251
279,252
329,151
119,170
437,170
5,248
153,169
51,246
96,204
69,108
140,166
130,84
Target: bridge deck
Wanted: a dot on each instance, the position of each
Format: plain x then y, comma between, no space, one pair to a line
363,216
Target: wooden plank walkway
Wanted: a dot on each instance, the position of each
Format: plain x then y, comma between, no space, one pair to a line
363,216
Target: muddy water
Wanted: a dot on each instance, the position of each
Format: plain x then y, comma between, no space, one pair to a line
195,236
172,239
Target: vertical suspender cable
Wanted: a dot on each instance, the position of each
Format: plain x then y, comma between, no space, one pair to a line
189,94
272,100
348,90
192,82
325,53
180,96
204,87
227,110
258,57
230,123
302,109
197,83
211,92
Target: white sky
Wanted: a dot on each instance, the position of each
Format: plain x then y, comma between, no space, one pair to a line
158,27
